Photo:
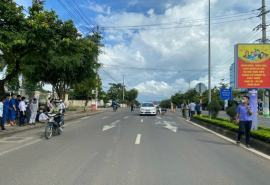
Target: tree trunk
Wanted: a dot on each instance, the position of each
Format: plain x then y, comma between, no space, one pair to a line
86,102
2,89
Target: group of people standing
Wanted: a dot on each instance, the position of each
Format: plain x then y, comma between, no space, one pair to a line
10,107
51,105
191,108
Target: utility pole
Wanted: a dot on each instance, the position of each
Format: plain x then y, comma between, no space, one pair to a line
96,91
209,59
188,84
124,87
265,98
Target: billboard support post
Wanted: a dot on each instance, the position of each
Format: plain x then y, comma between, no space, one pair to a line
253,94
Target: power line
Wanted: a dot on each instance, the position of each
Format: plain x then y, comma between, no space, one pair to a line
179,22
176,26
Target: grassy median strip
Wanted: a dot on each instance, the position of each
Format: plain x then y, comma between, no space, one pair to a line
263,133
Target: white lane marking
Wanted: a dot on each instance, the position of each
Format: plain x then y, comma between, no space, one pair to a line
142,120
138,139
19,147
71,123
126,117
232,141
170,127
85,117
104,117
158,117
107,127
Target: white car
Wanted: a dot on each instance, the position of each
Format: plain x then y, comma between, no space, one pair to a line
148,108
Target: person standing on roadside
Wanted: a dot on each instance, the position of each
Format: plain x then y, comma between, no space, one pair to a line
22,111
28,111
185,108
244,113
48,104
182,108
198,108
2,101
132,107
188,108
12,113
34,109
17,106
6,109
192,109
63,106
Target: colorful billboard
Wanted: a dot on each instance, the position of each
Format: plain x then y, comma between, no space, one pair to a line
252,66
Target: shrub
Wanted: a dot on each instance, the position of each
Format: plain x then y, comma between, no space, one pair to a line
260,113
231,112
261,134
214,108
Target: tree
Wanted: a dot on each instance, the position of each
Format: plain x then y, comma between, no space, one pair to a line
115,91
231,112
131,95
165,103
26,42
214,108
85,87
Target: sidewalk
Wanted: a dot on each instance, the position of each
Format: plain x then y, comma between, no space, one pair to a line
69,115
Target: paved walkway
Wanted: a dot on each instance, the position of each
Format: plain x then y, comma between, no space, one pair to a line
69,115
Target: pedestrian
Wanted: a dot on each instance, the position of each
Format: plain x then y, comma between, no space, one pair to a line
63,106
192,107
188,108
6,109
34,109
17,106
244,113
48,104
22,111
185,108
2,101
182,108
198,108
28,111
51,105
12,109
43,118
132,106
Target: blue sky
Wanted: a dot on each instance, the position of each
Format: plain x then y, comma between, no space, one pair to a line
177,46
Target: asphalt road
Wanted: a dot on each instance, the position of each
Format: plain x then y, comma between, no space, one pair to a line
261,120
147,150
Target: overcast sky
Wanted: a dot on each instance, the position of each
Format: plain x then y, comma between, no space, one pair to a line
175,39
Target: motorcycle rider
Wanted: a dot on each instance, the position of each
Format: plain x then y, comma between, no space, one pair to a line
57,109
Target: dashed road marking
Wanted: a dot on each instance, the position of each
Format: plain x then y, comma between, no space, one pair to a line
138,139
142,120
85,117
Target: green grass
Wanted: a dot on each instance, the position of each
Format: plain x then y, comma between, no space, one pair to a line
263,133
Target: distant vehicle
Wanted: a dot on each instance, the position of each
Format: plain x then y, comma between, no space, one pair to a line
148,109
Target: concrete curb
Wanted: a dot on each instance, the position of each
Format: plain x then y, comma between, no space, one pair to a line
254,143
11,130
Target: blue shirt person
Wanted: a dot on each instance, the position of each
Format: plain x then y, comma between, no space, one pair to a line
198,108
244,112
6,108
13,109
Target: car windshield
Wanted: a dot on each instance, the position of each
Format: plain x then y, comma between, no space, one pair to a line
147,105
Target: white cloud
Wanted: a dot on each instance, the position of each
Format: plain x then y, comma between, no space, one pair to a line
103,9
132,2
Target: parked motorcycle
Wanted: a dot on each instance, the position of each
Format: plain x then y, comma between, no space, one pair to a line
52,126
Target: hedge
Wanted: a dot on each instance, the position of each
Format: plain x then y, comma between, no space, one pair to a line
263,135
228,120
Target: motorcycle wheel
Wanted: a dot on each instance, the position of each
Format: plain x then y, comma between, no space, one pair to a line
48,132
